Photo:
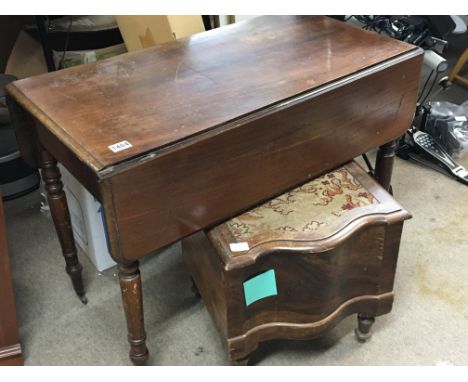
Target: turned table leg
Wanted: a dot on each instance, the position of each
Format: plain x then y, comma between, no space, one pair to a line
364,326
384,164
61,218
130,286
194,289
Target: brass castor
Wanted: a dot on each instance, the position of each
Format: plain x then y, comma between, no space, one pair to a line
241,362
194,289
362,332
83,299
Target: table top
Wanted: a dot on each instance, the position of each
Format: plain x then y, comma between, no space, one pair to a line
161,95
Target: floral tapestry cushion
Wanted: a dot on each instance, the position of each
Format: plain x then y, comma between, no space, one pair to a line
308,208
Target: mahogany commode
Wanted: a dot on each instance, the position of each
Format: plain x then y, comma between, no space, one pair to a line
295,266
215,124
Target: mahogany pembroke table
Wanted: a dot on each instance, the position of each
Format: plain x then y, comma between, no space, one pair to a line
181,136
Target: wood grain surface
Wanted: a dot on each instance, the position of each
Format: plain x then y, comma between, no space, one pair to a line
315,290
199,183
164,94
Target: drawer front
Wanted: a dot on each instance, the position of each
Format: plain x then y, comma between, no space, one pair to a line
310,287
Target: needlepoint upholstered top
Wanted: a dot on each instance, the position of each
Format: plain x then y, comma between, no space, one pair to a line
285,217
321,210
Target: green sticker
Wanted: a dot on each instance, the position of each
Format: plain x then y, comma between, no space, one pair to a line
261,286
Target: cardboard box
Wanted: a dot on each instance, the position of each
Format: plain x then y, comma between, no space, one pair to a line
27,57
141,32
10,27
88,222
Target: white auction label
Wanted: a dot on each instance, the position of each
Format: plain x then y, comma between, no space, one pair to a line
460,118
239,247
124,145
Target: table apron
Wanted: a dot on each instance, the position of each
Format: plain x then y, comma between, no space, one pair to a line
183,191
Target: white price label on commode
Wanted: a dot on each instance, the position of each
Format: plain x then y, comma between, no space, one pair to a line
460,118
239,247
124,145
